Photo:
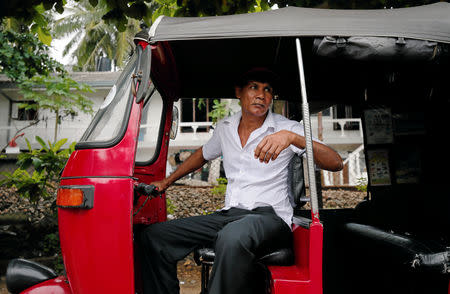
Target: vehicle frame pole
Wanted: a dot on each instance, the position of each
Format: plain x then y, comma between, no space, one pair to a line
308,137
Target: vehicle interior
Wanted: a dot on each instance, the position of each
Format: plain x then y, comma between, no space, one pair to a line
397,240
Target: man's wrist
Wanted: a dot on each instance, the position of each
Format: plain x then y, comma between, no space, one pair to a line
292,137
167,182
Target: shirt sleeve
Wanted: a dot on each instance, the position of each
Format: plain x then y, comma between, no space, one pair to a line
298,128
213,149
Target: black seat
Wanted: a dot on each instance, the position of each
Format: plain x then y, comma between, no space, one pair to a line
403,250
22,274
281,257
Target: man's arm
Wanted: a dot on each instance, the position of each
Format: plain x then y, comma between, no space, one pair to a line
192,163
272,145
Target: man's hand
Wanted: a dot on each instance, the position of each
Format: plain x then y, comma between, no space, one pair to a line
161,186
272,145
192,163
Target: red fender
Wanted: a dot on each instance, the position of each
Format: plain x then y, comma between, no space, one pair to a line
58,285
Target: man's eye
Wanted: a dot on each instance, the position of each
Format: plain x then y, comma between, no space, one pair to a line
268,90
253,87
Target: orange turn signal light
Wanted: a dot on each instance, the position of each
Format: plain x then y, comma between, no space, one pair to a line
75,197
69,197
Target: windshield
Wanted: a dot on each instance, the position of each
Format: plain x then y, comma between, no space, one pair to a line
109,122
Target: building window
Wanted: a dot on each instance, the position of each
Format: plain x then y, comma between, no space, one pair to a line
19,113
346,111
195,110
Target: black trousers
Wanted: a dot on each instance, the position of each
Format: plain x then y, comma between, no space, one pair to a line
239,236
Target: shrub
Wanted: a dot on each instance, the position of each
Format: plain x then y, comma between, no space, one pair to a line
361,184
221,187
47,162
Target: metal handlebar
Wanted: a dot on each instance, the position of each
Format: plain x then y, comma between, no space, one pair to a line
147,190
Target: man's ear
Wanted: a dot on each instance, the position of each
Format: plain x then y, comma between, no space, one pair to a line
237,92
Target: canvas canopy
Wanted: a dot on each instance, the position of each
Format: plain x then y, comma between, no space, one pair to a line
428,22
344,51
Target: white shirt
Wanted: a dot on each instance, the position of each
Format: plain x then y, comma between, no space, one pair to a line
252,183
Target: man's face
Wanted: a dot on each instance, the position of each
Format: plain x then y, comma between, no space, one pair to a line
255,97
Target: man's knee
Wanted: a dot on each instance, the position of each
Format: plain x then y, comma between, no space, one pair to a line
239,234
149,237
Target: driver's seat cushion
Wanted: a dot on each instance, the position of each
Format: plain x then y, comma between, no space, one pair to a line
280,257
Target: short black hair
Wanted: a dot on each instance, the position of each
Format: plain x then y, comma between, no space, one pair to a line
259,74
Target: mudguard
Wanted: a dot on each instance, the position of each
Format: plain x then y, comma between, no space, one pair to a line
58,285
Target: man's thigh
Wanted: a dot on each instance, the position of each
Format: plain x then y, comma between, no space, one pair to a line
258,232
179,237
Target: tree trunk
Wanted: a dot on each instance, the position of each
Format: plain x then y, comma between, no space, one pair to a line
56,125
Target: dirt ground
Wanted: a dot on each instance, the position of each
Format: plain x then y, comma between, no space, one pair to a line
3,289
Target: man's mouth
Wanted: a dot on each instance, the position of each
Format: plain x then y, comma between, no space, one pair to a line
258,105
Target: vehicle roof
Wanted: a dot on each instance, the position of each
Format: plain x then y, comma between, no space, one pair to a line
200,57
427,22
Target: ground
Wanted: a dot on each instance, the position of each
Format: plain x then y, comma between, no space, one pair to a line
186,201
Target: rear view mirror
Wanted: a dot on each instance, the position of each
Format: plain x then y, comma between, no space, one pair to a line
143,73
175,120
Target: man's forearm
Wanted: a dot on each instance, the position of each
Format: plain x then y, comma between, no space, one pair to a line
325,157
192,163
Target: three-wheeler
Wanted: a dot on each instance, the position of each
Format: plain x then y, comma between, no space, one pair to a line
392,64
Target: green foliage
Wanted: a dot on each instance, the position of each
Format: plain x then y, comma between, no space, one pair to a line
23,56
361,184
28,186
60,94
220,110
25,60
32,15
170,206
51,246
56,93
221,187
91,36
47,163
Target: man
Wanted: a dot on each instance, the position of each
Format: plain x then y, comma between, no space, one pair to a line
257,147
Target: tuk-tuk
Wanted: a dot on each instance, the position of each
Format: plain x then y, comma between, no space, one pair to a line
393,63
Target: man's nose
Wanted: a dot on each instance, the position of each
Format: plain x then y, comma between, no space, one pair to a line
260,94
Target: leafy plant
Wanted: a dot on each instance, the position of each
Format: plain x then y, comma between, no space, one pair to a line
91,36
361,184
61,95
23,56
221,187
170,206
26,61
51,246
220,110
28,186
47,163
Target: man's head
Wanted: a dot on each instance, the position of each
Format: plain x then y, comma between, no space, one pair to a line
255,89
259,74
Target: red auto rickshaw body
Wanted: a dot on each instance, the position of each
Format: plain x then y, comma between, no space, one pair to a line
97,243
305,276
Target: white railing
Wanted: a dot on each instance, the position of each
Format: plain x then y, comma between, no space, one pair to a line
194,125
354,168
